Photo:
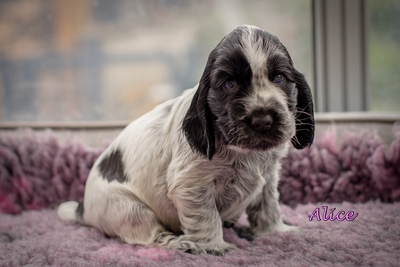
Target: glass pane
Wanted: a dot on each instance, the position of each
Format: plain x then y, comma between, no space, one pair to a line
115,60
384,54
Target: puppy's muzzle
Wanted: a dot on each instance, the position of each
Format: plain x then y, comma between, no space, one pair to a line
261,120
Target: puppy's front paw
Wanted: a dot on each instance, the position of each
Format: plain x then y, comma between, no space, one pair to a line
218,249
186,246
286,228
244,232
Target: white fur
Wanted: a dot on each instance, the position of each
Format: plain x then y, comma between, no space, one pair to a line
67,210
160,164
174,197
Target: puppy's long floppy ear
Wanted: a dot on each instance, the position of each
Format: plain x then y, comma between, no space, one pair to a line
198,123
305,124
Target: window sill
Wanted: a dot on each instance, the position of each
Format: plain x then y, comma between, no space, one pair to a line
100,133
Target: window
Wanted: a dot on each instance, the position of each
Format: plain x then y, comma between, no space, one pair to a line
100,60
94,60
384,54
357,58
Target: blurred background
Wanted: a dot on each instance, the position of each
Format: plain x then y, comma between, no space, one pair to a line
101,60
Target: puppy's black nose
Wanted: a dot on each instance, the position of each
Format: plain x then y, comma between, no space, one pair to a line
261,123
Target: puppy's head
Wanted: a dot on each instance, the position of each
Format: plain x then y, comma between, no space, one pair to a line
250,96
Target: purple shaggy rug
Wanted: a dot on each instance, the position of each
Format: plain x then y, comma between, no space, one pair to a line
352,172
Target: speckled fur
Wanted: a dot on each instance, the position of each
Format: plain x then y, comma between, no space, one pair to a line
182,181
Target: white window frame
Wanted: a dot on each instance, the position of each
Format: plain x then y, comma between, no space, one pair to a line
340,55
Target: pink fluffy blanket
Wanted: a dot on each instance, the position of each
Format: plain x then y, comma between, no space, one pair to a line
37,172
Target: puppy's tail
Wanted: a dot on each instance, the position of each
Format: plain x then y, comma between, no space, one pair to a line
70,211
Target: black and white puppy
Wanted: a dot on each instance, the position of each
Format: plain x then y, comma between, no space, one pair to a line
175,176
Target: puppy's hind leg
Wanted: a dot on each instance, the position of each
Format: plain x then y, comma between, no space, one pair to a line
130,219
143,228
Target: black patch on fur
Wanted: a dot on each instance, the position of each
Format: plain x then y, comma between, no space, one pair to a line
299,96
279,65
112,167
226,62
198,126
231,65
80,210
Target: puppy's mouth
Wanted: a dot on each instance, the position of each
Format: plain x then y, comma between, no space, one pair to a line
264,145
261,146
242,134
248,139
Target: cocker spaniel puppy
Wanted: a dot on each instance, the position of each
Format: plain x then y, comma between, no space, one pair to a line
175,176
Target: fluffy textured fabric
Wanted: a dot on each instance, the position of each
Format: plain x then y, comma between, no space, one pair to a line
39,238
37,171
354,167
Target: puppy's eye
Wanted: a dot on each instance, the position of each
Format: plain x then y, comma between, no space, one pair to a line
229,85
279,79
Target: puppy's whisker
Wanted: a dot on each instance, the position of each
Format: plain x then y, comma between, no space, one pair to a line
302,111
296,140
304,123
301,130
301,119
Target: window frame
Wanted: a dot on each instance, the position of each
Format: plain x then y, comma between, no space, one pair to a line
340,55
